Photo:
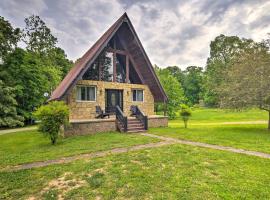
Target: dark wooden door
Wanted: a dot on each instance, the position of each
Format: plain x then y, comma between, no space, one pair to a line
112,99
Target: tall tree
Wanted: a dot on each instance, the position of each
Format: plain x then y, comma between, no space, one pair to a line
38,36
31,77
223,50
177,73
247,83
9,37
8,111
193,84
173,90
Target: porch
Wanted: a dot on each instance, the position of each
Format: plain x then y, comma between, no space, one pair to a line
93,126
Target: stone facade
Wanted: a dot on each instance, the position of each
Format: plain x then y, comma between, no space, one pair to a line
157,121
90,127
86,110
93,126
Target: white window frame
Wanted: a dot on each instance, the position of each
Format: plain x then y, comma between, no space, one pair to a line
91,86
136,96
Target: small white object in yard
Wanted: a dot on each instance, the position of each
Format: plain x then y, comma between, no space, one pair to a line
46,94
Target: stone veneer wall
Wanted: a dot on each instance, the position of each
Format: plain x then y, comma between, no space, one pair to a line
86,110
93,126
157,121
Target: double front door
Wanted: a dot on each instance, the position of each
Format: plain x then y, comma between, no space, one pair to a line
112,99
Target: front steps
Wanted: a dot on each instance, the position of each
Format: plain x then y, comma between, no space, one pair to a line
134,126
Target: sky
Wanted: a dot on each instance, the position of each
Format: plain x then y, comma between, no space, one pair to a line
173,32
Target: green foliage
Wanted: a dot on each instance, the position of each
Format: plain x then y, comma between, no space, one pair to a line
52,116
34,71
37,35
96,180
9,37
223,51
192,84
185,113
8,112
31,77
173,90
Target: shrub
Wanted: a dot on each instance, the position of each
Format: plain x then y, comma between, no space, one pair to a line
52,116
185,114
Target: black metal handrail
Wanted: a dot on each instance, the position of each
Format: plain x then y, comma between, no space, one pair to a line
140,116
122,119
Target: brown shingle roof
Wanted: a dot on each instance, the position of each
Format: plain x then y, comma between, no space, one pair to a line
75,72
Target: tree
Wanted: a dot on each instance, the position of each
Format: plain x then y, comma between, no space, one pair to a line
173,90
58,58
9,37
8,112
192,84
223,50
185,113
177,73
248,83
52,116
31,77
38,36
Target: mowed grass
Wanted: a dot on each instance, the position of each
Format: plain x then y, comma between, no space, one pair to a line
207,125
222,115
169,172
30,146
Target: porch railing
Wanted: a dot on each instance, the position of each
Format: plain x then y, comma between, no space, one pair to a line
140,116
121,118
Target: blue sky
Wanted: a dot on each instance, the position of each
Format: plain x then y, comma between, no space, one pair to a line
173,32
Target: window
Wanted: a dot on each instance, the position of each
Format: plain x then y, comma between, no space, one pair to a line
93,72
137,95
86,93
107,67
120,68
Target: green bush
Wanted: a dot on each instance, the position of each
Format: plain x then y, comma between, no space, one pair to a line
185,113
52,117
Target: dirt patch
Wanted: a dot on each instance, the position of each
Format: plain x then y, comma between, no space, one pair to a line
63,185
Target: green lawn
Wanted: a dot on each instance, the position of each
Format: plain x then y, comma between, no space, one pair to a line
220,115
205,126
171,172
23,147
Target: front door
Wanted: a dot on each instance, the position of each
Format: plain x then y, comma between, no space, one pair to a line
112,99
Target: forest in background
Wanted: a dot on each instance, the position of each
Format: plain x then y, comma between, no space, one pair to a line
236,74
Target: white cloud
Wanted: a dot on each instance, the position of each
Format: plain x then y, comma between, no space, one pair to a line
172,32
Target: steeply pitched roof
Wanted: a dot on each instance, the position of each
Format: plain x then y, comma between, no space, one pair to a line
76,72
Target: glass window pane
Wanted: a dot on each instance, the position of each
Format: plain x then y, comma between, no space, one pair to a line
92,94
134,95
83,93
107,65
120,68
79,93
139,95
93,72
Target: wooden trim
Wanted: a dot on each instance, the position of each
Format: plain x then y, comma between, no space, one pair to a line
133,62
100,68
127,69
117,51
114,67
136,68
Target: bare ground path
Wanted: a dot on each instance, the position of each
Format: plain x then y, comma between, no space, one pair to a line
165,141
13,130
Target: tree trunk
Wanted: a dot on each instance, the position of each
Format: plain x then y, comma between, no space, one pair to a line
269,120
185,122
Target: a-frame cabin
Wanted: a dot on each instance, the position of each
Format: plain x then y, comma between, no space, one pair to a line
114,77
